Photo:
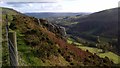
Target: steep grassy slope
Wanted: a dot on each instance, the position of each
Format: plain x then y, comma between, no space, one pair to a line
5,53
37,46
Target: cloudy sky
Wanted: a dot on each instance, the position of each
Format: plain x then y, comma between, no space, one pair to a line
59,5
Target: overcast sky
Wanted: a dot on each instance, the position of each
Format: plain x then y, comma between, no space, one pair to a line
59,5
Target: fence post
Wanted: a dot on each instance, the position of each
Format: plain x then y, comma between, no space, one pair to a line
13,48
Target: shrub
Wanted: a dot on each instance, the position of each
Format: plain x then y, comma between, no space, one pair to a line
12,26
92,45
59,50
33,31
34,43
71,63
68,58
14,18
49,41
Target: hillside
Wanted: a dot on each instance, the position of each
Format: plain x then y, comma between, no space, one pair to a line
38,45
103,24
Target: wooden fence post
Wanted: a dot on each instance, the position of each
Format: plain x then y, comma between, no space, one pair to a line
13,48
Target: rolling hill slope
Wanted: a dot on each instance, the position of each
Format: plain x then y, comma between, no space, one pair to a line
103,23
39,46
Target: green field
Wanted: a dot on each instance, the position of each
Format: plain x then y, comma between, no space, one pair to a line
90,49
112,56
71,41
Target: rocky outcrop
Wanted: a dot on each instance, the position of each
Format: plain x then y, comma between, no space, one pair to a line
58,30
62,31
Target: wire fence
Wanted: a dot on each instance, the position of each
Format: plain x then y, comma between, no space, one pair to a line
13,55
11,40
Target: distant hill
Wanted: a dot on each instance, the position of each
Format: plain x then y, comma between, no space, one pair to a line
52,14
103,23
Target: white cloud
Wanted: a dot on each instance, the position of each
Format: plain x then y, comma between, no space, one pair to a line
88,5
31,5
31,0
63,5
